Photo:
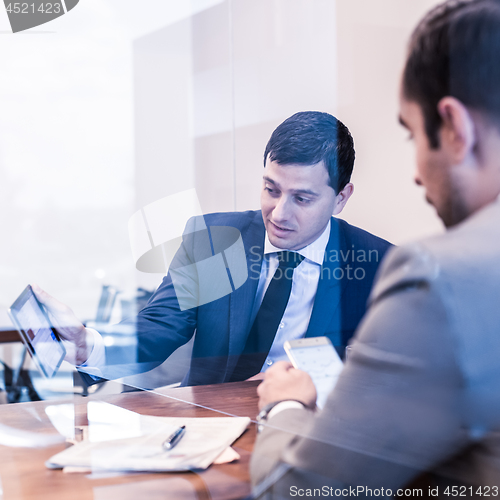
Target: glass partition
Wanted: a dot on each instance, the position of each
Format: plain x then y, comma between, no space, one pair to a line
130,133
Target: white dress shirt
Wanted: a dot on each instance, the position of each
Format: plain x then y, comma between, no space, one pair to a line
297,313
295,320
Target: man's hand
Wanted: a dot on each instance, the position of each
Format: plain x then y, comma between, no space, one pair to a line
68,326
282,381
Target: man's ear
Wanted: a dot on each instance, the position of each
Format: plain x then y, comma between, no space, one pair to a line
458,130
342,197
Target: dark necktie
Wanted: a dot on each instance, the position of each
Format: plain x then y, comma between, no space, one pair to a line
261,336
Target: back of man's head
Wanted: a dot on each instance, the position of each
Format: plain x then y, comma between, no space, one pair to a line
309,137
455,51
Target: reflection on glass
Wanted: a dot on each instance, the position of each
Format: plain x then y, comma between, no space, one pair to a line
155,230
62,418
17,438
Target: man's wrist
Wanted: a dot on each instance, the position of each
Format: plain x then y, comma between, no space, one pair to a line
285,405
96,360
84,348
276,407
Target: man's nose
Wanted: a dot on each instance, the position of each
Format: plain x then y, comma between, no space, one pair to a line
417,180
280,212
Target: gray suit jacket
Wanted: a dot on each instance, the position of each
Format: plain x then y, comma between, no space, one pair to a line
421,390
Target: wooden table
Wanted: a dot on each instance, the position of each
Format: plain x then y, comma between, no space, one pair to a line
23,474
7,336
7,331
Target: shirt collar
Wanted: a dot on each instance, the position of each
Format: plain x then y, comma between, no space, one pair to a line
314,252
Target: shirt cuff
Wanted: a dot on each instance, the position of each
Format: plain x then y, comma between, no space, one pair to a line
285,405
97,359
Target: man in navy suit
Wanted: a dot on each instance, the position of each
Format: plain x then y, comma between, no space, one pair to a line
308,163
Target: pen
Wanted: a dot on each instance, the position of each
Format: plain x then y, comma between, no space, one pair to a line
174,438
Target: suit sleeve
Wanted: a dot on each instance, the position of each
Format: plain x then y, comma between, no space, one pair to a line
170,317
396,409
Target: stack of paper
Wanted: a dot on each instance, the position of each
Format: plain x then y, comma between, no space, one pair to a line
204,440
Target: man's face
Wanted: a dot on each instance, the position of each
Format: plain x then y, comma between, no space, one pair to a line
297,203
434,170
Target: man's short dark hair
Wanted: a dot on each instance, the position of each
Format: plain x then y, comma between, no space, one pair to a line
308,137
455,51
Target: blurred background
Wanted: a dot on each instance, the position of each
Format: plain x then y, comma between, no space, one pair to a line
121,103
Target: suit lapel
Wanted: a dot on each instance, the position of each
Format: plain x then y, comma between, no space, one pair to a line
326,307
241,300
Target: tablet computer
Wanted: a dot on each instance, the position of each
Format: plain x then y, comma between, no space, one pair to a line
40,337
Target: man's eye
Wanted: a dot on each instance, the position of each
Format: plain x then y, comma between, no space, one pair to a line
302,201
270,190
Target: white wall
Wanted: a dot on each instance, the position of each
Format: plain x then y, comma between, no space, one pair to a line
66,164
372,38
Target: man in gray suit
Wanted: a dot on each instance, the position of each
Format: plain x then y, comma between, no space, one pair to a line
421,388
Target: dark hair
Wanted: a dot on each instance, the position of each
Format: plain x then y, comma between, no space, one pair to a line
308,137
455,51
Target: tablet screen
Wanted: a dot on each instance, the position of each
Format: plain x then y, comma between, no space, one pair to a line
37,332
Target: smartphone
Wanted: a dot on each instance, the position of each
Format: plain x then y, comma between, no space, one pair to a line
37,333
317,357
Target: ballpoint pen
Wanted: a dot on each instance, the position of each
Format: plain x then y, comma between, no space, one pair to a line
174,438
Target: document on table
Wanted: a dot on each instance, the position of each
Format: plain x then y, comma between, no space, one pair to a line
204,440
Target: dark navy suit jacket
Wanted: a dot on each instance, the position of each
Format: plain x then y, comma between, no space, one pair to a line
221,327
